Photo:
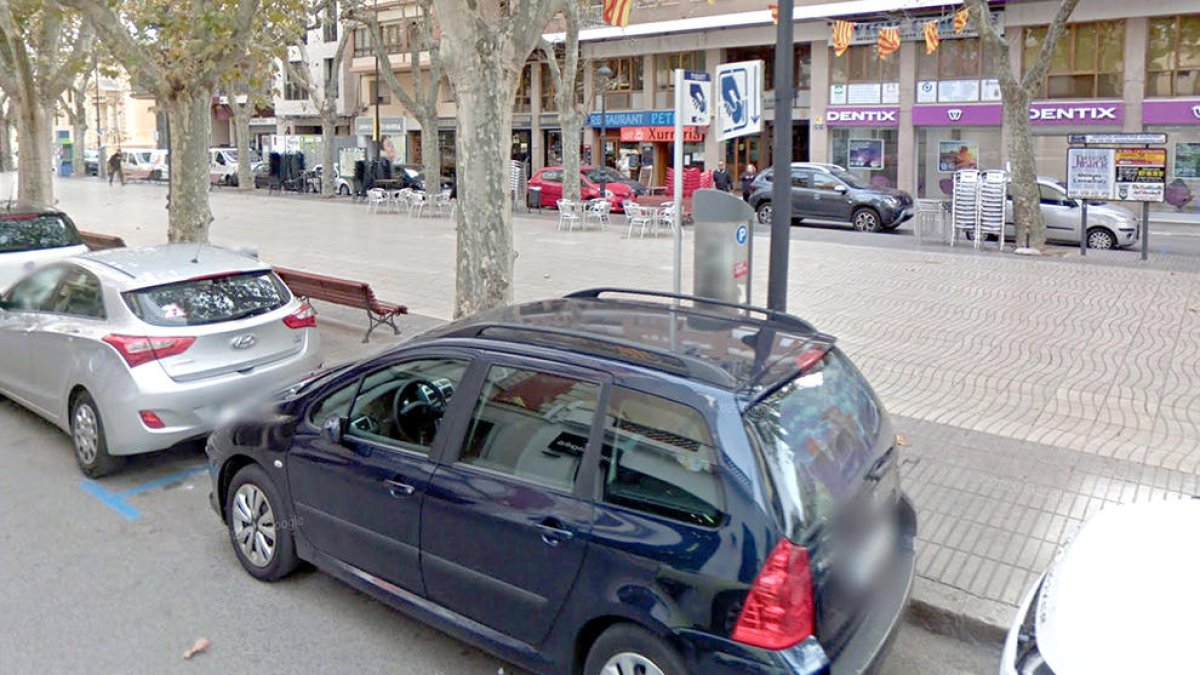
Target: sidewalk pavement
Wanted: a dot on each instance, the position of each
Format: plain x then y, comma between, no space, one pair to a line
1031,392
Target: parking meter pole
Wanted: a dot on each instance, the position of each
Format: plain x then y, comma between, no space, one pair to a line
677,187
750,263
1083,228
1145,230
781,159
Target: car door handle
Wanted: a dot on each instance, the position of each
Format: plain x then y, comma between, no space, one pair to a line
554,532
399,489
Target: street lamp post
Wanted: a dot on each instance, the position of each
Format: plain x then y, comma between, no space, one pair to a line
604,72
378,135
101,160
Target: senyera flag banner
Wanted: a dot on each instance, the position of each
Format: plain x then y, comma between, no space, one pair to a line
616,12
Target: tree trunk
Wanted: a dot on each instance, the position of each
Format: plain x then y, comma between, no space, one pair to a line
6,138
79,130
485,239
241,129
328,130
34,172
1028,223
431,152
571,130
187,205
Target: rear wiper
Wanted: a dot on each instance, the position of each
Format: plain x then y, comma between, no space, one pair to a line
249,313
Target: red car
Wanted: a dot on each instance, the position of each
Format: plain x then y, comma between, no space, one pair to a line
550,180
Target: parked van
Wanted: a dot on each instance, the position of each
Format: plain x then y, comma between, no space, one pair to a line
222,166
144,164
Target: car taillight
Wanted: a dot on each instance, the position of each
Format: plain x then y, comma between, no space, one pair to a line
779,610
138,350
305,317
151,420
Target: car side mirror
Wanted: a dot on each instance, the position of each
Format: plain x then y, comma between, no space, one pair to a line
333,428
1072,203
841,189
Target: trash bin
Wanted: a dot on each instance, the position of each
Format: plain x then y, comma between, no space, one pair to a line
723,246
65,169
535,197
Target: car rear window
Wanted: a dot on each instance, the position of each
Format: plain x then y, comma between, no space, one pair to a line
208,300
31,232
818,431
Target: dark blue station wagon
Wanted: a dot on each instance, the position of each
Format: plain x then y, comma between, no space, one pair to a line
616,482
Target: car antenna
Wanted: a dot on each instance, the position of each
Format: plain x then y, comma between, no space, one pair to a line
196,258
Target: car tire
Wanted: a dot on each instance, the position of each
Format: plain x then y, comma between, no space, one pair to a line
764,213
88,438
865,220
156,175
1101,239
259,525
626,648
344,190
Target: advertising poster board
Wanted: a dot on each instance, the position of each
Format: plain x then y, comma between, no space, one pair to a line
864,153
956,155
1091,173
1141,174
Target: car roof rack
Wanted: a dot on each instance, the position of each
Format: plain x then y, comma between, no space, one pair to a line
793,322
622,350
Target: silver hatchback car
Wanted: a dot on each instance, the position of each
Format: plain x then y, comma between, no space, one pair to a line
136,350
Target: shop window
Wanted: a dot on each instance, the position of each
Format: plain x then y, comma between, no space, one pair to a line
861,65
627,79
373,90
1173,56
1087,62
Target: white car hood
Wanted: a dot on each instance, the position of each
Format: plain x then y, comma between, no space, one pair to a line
1115,214
1125,594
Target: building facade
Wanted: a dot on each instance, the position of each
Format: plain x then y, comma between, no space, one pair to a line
905,121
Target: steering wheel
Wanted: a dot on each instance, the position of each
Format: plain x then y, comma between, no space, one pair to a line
417,409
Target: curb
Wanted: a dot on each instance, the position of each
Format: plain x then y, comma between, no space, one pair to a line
951,612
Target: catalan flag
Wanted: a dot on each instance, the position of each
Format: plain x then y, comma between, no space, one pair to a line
889,41
931,37
616,12
774,14
960,19
843,33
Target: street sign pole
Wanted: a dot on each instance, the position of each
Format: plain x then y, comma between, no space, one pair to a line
677,187
1083,229
781,199
1145,230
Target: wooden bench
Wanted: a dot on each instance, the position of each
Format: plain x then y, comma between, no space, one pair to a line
98,242
344,292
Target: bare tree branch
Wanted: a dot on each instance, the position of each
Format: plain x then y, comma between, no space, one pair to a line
1035,75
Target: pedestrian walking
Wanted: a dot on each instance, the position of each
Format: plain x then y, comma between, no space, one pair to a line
748,175
115,169
721,178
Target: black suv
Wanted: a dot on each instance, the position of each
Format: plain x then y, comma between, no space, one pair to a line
595,484
825,193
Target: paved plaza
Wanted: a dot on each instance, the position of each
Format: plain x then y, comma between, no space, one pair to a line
1029,392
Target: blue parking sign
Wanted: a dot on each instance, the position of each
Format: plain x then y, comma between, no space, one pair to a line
742,235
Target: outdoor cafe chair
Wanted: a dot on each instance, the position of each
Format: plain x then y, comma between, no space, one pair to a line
638,216
568,214
377,197
597,212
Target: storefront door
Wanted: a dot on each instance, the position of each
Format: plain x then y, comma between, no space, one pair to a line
742,151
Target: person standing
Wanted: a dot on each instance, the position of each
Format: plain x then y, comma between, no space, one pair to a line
748,176
115,169
721,179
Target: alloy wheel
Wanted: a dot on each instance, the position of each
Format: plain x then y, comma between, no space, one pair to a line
765,213
86,433
866,221
253,523
1100,239
630,663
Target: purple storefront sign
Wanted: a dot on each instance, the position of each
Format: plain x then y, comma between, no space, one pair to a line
1178,113
1057,113
863,117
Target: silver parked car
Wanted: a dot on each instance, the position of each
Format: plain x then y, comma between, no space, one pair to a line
136,350
1108,226
33,235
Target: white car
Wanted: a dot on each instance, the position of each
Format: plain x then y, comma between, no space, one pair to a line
1120,598
340,185
30,236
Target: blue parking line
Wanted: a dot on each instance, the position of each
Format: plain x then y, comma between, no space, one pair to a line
112,501
116,500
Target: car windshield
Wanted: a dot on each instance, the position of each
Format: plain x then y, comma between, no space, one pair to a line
31,232
848,178
208,300
818,431
606,173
